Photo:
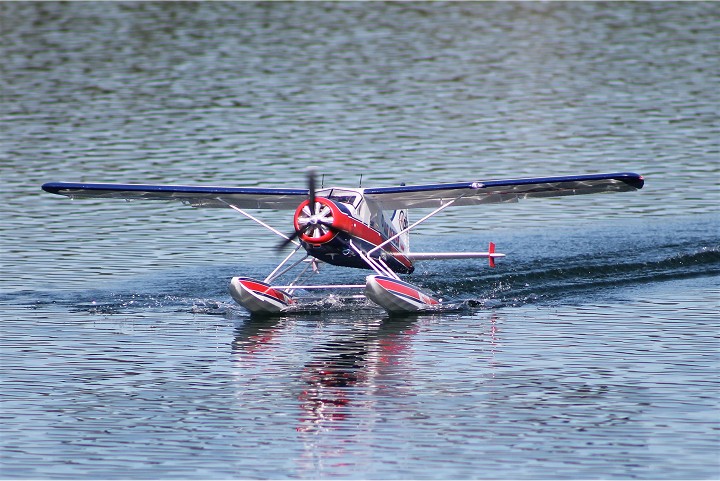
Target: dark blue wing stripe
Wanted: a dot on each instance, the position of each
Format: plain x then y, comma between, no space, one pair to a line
630,178
419,188
60,187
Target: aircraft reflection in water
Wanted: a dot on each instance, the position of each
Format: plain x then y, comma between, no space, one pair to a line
350,372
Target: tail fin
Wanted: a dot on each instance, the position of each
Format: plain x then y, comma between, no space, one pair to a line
491,251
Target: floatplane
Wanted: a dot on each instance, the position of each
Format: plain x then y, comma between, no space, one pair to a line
364,228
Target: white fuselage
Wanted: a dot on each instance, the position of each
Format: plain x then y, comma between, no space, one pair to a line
387,223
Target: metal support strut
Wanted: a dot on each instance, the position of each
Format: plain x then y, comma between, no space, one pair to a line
407,229
376,264
255,219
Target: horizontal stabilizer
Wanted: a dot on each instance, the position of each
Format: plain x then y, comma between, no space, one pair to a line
491,255
440,256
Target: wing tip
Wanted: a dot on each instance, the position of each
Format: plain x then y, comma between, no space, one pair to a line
52,187
632,179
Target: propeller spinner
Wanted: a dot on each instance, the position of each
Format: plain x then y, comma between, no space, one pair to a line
314,221
313,218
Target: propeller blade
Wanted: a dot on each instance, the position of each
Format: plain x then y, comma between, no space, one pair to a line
287,241
311,189
304,230
290,239
311,205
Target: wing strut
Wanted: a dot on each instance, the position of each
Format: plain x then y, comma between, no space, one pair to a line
407,229
255,219
376,264
274,274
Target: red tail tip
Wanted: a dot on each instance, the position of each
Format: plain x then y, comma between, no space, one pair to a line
491,250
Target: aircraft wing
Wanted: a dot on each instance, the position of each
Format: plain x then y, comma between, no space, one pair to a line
242,197
496,191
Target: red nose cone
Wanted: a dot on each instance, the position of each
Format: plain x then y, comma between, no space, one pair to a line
316,228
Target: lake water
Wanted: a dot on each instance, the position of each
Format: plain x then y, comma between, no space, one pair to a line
591,351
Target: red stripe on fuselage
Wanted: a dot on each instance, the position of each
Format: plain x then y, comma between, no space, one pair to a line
364,232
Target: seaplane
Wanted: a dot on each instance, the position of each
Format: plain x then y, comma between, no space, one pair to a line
361,228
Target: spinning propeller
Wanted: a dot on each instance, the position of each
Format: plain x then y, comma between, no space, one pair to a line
313,218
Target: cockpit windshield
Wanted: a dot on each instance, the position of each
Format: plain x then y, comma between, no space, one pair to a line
345,197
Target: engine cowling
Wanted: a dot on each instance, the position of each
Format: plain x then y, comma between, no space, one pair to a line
317,228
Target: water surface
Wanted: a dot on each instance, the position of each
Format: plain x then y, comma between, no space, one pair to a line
590,352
